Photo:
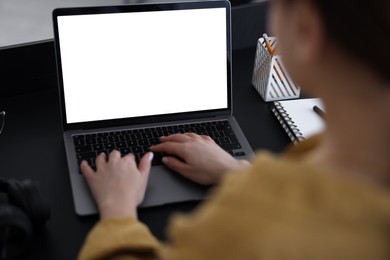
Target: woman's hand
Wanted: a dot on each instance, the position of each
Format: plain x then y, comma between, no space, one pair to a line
118,185
200,159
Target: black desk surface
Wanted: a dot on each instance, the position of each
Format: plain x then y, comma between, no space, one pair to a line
31,147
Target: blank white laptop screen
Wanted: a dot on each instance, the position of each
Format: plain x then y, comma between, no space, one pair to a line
143,63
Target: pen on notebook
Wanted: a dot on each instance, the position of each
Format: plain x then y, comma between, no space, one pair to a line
268,44
319,112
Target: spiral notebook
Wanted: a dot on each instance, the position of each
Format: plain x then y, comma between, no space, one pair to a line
298,118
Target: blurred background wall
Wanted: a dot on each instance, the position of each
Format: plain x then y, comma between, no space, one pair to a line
24,21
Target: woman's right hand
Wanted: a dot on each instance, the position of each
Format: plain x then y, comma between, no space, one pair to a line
197,157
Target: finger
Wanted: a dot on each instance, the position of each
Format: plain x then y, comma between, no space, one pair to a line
131,159
87,171
130,155
168,147
208,138
101,160
115,155
179,138
177,165
146,163
191,135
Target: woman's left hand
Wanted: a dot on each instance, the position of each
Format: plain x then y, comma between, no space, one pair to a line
201,159
118,185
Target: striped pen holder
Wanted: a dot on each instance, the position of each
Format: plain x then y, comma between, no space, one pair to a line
270,77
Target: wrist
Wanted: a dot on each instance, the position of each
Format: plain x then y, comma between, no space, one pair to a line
240,165
234,167
118,210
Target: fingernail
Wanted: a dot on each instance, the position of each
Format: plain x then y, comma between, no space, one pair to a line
164,160
151,155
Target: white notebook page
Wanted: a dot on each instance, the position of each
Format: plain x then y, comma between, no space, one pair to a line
302,114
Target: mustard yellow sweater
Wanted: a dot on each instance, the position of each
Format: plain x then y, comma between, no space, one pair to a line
279,208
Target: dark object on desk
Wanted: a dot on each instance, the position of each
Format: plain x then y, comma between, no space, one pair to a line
22,208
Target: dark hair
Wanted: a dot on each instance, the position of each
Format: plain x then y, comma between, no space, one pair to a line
361,28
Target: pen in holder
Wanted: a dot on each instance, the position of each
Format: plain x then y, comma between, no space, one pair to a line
270,77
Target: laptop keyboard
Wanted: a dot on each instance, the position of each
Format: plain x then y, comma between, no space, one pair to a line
138,141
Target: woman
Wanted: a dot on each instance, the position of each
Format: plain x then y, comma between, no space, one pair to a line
327,198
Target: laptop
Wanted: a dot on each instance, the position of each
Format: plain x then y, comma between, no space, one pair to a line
129,74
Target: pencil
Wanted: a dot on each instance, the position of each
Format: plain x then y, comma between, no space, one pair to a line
275,50
268,44
319,112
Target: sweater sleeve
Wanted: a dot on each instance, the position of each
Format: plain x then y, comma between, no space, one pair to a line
121,238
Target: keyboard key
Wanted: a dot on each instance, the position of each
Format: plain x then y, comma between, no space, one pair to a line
224,127
143,142
120,144
132,143
233,139
90,135
79,142
101,140
135,136
124,137
154,141
228,133
113,139
224,140
86,155
85,148
97,147
109,146
125,151
237,154
216,134
233,146
138,149
146,135
77,137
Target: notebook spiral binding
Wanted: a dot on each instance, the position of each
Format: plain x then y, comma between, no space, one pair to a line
287,123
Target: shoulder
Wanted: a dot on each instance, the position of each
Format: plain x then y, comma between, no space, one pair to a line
294,183
281,205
